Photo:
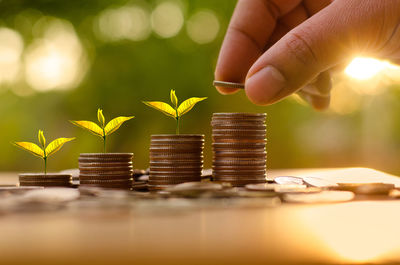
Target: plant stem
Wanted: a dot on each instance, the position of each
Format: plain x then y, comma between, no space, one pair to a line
45,165
104,140
177,121
177,126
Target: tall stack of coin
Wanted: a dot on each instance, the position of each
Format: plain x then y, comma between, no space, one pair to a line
175,159
106,170
239,147
45,180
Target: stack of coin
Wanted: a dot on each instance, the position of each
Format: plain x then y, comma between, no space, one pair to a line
106,170
45,180
239,141
175,159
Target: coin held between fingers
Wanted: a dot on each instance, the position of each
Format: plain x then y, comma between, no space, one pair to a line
228,84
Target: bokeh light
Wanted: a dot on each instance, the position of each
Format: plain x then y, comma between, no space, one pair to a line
203,26
130,22
56,60
11,48
167,19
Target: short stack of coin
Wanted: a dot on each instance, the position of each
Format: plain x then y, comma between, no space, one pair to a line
239,148
106,170
175,159
45,180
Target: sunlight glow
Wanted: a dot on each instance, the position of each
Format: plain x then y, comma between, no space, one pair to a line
57,60
365,68
167,19
356,240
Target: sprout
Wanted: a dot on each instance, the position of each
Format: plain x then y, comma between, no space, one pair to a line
103,130
175,111
43,152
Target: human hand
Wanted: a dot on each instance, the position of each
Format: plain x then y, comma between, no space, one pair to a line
278,47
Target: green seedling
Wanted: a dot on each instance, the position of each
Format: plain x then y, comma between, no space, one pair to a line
174,111
43,151
102,130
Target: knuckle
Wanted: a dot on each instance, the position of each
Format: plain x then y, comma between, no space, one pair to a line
301,49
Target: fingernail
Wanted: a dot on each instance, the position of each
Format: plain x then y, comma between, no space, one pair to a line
264,85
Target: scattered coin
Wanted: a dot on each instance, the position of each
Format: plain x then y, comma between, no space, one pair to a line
289,180
319,182
275,187
394,193
193,189
367,188
228,84
321,197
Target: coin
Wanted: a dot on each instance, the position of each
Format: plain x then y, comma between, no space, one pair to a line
106,155
274,187
139,185
104,177
289,180
367,188
239,167
183,178
238,162
319,182
158,187
103,160
321,197
107,181
171,181
106,169
245,115
228,84
241,183
45,177
138,172
229,172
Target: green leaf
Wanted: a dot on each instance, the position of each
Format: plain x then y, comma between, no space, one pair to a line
42,139
187,105
90,126
115,123
56,145
163,107
100,118
31,148
174,99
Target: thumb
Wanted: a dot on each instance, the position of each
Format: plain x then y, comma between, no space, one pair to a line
314,46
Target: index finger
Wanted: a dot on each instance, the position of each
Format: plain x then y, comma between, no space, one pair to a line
251,25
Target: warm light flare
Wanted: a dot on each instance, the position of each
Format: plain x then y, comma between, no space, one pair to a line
365,68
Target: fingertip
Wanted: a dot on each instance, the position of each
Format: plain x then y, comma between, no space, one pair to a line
263,86
316,102
226,90
320,103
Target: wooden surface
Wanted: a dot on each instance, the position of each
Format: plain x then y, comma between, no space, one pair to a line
183,231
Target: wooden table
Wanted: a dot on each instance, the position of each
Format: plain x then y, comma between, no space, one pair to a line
206,231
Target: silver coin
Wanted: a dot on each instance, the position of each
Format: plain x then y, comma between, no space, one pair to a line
289,180
228,84
319,182
275,187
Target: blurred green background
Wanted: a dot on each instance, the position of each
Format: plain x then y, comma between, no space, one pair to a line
61,60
